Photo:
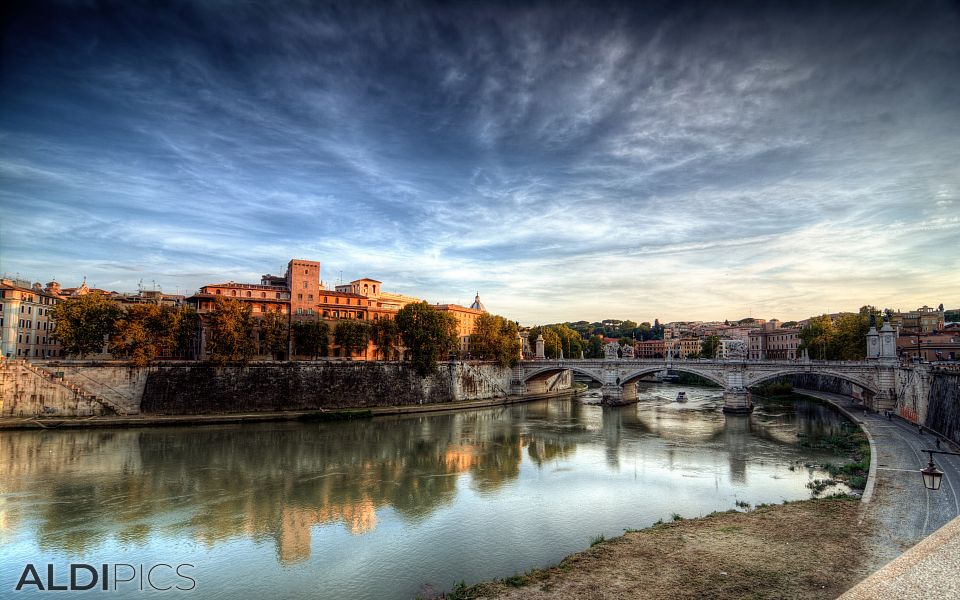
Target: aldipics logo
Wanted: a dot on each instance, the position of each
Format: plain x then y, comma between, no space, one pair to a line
108,577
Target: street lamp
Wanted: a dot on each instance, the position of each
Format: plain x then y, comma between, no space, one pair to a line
932,476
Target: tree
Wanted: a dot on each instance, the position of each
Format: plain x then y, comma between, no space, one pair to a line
142,332
816,337
595,347
185,323
312,338
273,333
352,336
627,327
709,346
428,333
85,323
496,338
386,336
230,332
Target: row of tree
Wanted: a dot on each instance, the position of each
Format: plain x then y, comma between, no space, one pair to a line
840,338
144,332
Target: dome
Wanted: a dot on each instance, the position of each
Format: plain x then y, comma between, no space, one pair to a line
477,305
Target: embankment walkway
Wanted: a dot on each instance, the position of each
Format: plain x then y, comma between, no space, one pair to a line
901,511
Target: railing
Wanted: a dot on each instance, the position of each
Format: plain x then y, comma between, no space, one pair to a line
76,389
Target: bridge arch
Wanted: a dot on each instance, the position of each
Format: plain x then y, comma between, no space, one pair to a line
863,383
560,368
714,378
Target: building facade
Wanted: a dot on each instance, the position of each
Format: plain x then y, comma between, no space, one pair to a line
26,322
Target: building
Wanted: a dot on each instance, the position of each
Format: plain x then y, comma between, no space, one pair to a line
650,349
466,320
922,320
26,324
773,342
301,295
930,347
682,347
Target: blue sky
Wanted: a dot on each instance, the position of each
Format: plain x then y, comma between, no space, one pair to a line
679,161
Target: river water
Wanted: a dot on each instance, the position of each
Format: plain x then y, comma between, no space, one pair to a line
390,507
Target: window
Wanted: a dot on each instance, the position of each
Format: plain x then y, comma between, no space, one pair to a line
309,311
263,294
218,292
233,292
248,294
306,271
337,300
306,284
299,297
278,295
309,296
299,311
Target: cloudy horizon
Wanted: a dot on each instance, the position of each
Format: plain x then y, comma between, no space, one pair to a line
672,161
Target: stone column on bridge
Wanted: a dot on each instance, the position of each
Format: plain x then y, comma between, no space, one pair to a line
540,355
611,389
736,396
887,364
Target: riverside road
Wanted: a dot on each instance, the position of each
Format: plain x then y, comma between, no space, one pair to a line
902,511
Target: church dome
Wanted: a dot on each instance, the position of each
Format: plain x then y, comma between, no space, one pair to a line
477,305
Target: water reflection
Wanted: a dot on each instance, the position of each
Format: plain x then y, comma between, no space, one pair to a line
549,473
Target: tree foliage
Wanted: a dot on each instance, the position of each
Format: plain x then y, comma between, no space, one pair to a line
274,333
352,336
85,323
594,347
429,334
142,333
709,346
386,336
843,338
496,338
230,328
312,338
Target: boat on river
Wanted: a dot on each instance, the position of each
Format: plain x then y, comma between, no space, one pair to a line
681,397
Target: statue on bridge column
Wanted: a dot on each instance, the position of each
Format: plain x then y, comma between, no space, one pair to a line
735,350
627,352
611,351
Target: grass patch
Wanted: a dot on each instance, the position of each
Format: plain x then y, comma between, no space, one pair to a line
742,504
676,517
597,540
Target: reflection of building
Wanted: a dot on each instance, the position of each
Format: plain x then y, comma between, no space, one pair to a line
296,525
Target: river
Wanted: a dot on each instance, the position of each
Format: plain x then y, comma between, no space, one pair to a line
390,507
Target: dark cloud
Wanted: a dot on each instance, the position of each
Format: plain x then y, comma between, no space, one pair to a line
443,147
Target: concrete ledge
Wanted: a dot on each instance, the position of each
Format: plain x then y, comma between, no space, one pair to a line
928,570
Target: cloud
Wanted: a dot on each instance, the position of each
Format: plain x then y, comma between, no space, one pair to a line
671,161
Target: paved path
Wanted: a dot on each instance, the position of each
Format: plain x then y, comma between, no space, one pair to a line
902,511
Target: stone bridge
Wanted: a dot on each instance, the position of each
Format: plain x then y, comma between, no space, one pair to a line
618,376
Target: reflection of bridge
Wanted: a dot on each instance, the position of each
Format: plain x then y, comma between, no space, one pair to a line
618,376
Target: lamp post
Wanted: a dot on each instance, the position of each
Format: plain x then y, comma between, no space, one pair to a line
932,476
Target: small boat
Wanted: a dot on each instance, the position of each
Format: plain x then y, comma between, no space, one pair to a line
682,397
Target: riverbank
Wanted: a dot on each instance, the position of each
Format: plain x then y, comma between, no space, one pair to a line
143,420
811,549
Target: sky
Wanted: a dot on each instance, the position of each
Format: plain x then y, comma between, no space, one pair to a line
568,161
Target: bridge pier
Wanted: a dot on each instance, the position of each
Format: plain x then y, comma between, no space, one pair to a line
737,402
736,396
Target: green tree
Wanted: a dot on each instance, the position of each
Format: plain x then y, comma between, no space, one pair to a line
230,336
312,338
142,332
185,324
816,337
386,336
496,338
595,347
627,328
429,334
84,324
709,346
352,336
273,333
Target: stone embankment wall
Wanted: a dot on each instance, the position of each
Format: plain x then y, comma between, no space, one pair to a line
25,391
942,412
196,388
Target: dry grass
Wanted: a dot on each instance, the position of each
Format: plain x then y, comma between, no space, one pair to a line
801,550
